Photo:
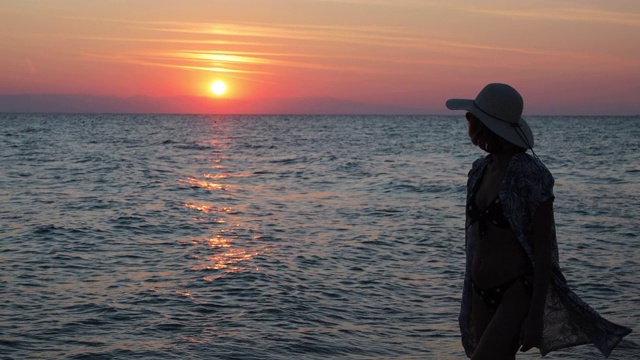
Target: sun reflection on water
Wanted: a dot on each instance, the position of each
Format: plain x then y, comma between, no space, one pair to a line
217,176
207,185
221,254
211,185
219,242
225,175
228,258
207,208
228,261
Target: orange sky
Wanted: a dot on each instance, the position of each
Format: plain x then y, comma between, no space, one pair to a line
565,57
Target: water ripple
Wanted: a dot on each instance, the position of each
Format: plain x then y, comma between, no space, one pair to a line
247,237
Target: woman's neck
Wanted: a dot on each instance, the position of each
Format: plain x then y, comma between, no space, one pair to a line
501,161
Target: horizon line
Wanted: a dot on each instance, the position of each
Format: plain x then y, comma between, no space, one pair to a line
281,114
79,103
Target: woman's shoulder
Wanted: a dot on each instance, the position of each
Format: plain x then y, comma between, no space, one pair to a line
526,165
532,177
478,165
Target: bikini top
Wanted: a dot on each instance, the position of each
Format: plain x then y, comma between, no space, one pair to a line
493,214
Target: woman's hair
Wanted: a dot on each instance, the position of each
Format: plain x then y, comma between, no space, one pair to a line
487,140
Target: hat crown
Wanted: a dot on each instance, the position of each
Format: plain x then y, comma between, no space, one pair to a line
501,101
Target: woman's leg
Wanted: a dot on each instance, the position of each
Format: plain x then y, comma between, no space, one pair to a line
501,336
482,316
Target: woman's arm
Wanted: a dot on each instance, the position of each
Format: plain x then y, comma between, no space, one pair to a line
542,248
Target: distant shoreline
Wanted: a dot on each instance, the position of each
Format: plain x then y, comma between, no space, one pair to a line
185,105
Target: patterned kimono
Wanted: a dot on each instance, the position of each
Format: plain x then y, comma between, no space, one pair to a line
568,320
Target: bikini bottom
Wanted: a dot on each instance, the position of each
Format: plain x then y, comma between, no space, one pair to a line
492,297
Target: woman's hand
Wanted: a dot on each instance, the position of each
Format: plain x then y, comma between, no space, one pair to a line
531,332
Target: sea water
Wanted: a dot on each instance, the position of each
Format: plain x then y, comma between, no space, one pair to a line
281,237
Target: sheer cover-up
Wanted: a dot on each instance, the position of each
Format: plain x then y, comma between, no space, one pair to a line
568,320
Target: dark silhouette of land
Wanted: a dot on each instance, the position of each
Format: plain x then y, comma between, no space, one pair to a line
56,103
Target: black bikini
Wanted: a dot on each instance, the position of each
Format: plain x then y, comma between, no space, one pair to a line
492,297
491,214
494,214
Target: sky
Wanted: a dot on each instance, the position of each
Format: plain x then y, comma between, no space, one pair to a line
564,57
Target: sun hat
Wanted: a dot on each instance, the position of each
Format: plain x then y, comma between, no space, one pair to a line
499,107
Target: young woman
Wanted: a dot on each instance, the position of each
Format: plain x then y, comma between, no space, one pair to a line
514,296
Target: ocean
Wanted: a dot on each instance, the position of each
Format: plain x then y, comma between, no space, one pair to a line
282,237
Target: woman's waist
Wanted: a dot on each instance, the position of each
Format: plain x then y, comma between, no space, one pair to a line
493,270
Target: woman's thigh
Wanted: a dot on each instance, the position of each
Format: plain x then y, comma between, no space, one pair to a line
482,316
501,336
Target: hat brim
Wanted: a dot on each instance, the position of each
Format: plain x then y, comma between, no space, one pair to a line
518,135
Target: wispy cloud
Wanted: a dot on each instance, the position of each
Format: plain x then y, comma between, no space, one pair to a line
379,2
333,34
214,47
571,14
262,48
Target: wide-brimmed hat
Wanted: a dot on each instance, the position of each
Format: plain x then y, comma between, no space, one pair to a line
499,107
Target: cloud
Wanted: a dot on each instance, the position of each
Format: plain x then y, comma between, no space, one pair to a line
222,46
566,14
209,44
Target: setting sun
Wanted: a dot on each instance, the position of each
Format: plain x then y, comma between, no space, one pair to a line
218,87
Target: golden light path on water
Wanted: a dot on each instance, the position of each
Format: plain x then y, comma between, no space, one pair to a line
225,254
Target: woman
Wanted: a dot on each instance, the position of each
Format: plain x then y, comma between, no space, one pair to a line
514,296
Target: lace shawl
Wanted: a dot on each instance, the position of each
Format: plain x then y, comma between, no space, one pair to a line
568,320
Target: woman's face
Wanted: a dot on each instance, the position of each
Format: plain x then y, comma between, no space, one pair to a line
472,122
481,136
487,140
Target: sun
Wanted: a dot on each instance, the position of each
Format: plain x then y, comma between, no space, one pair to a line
218,87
